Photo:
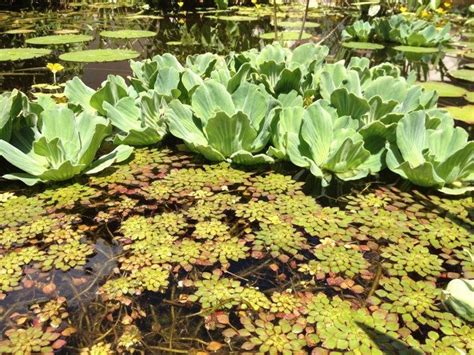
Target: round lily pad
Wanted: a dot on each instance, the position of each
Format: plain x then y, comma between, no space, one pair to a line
59,39
462,74
144,17
362,45
444,89
469,55
66,32
127,34
19,31
285,36
463,113
418,50
99,55
234,18
14,54
298,24
469,96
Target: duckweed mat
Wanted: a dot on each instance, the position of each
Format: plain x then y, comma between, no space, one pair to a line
164,254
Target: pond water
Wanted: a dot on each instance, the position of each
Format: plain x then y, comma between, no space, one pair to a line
167,253
180,33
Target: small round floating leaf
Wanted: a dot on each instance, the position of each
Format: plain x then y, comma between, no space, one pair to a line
144,17
59,39
462,74
14,54
463,113
469,96
443,89
19,31
362,45
469,55
418,50
99,55
234,18
285,36
66,31
127,34
298,24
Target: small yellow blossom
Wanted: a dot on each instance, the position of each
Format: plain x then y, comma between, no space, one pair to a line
54,67
181,21
440,10
254,2
425,14
447,4
180,4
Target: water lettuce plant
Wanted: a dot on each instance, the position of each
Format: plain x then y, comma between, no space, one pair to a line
282,70
360,31
50,151
318,139
441,157
223,126
398,29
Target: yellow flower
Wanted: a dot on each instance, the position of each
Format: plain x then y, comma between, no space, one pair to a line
425,14
180,4
447,4
440,10
254,2
181,21
258,6
403,9
55,67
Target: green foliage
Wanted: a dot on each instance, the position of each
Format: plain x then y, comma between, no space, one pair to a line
359,31
440,157
47,153
224,126
335,259
279,238
407,257
215,293
413,300
266,336
27,341
339,327
71,254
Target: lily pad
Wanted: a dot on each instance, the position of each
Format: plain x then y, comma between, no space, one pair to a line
298,24
144,17
469,96
127,34
285,35
19,31
362,45
59,39
418,50
444,89
14,54
462,74
99,55
463,113
234,18
469,55
66,31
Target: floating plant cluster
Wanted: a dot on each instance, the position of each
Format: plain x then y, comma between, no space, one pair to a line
169,254
341,122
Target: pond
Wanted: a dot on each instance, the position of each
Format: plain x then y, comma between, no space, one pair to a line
234,195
